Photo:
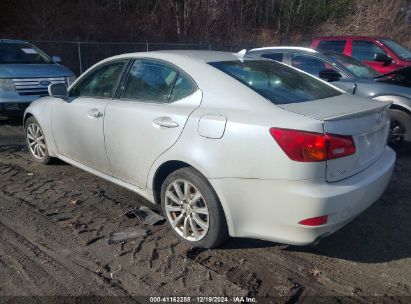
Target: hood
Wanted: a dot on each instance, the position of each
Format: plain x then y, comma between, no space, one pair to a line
19,70
336,108
400,77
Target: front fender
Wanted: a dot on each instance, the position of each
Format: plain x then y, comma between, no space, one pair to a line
41,109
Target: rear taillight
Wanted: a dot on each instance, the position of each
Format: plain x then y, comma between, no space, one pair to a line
305,146
339,146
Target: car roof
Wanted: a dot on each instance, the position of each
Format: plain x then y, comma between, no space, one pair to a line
12,41
190,55
284,48
349,37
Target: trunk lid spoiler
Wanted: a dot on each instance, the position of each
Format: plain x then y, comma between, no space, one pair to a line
365,120
345,106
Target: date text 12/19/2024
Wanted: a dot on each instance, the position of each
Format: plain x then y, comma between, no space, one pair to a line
203,299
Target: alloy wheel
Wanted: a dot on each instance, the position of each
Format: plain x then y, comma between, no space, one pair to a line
186,210
36,141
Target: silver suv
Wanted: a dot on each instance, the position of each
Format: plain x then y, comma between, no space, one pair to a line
25,74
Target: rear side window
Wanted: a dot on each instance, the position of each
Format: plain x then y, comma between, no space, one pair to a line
276,82
182,88
365,50
274,56
331,46
310,64
149,81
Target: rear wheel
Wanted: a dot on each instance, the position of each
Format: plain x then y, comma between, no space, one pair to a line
36,141
400,127
192,209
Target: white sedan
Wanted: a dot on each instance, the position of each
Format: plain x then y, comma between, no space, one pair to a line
229,145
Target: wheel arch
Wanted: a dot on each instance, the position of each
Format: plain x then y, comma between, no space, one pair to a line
398,102
26,116
169,166
395,106
164,170
41,111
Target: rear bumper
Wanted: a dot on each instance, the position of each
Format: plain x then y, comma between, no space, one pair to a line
271,209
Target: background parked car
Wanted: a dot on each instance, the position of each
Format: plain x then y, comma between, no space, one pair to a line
25,74
353,77
382,54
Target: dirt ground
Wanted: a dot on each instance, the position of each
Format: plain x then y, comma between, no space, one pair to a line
55,221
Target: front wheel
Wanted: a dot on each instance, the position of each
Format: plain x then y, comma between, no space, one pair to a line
36,141
192,209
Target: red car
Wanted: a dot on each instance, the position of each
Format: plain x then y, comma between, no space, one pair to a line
382,54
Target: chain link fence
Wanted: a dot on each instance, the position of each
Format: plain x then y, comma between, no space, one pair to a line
80,55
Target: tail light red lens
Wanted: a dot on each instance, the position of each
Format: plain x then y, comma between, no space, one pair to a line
305,146
340,146
315,221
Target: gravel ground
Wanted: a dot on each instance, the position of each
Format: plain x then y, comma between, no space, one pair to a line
55,221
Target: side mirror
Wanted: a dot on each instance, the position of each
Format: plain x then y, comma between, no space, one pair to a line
384,58
58,90
56,59
330,75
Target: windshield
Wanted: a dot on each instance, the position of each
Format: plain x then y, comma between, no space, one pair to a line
397,48
354,66
21,53
276,82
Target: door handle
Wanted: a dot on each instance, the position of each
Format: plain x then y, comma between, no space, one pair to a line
95,114
165,122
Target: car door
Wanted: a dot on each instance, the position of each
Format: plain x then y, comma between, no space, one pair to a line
78,122
314,65
147,117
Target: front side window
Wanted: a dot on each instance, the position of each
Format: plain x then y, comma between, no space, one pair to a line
100,82
22,53
365,50
149,81
331,46
310,64
276,82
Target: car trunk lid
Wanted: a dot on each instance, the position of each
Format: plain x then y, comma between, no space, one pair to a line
367,121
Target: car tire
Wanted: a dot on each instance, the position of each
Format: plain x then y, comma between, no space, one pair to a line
36,141
400,128
193,212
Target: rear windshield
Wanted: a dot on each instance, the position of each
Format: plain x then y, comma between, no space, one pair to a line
277,82
21,53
